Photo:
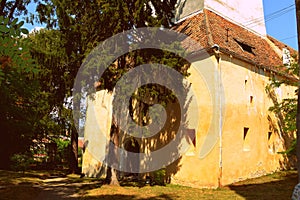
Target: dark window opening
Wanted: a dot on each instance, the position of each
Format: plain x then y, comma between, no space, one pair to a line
246,129
246,141
269,135
191,134
245,47
251,99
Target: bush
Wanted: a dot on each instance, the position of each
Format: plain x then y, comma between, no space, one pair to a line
62,154
20,162
159,177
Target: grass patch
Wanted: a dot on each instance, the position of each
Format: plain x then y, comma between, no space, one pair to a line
30,185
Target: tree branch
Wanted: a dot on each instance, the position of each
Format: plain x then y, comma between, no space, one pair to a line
13,8
2,7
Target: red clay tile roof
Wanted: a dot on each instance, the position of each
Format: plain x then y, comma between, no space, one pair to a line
281,45
195,28
208,28
80,142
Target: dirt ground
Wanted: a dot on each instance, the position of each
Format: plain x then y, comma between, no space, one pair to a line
56,185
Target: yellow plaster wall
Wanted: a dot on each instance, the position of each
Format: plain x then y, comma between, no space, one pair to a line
96,132
255,155
234,158
214,161
200,165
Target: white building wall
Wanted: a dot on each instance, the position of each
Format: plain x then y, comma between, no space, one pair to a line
249,14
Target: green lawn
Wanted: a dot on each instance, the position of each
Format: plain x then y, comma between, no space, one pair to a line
56,185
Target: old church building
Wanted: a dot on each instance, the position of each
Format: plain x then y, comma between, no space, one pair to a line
236,137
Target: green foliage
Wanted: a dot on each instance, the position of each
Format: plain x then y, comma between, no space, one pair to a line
62,149
80,154
77,27
20,98
288,107
14,48
159,177
291,150
286,110
80,26
20,162
12,8
50,54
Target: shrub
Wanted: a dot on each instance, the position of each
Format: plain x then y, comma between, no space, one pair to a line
159,177
62,154
20,162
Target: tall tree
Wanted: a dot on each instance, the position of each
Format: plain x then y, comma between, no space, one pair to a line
29,104
48,49
22,103
85,23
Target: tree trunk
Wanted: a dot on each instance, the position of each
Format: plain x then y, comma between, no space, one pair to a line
111,173
114,178
74,151
297,2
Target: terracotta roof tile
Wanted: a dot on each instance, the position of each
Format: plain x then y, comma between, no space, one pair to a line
195,28
232,38
281,45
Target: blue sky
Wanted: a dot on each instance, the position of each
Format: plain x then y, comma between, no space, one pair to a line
282,26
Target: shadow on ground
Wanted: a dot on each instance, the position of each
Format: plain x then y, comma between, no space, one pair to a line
58,186
280,188
131,197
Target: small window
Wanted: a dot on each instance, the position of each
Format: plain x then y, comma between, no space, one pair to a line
245,47
246,139
269,135
246,129
271,144
251,99
191,138
191,134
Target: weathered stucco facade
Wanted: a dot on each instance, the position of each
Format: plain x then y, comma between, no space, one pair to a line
236,136
96,132
249,138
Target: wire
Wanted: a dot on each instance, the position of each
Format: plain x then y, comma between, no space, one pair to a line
271,16
288,38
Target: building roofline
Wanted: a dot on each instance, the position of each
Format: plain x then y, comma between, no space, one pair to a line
277,72
234,22
208,51
208,28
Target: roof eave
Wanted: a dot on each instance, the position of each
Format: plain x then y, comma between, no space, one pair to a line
280,73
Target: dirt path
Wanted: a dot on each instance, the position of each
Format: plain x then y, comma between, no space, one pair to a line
57,188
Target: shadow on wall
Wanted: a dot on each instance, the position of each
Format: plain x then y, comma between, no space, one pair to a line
148,142
154,89
153,82
277,128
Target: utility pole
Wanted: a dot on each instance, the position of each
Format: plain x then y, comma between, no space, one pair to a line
297,3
